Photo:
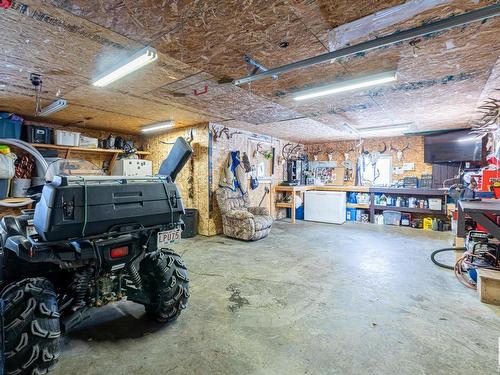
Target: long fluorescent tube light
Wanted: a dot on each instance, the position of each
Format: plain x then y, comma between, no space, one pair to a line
384,129
158,126
343,86
138,60
53,107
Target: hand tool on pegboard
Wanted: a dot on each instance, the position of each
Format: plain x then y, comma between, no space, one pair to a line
266,191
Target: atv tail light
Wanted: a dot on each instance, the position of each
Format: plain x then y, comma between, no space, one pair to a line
119,252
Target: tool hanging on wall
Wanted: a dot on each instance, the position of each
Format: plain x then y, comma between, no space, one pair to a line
348,165
266,191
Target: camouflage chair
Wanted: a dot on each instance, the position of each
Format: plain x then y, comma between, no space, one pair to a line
239,220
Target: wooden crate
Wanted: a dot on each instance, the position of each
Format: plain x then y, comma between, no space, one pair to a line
489,286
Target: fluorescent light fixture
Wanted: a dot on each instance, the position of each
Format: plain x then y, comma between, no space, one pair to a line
158,126
53,107
137,61
384,129
343,86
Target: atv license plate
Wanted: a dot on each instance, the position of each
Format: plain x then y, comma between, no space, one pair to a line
168,237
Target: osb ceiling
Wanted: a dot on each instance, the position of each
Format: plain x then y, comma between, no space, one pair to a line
442,78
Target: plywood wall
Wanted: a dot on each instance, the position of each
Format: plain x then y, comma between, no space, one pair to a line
221,144
414,153
243,141
192,180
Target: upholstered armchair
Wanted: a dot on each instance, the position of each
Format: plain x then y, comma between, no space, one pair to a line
239,220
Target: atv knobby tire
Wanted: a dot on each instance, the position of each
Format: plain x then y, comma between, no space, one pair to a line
166,283
31,324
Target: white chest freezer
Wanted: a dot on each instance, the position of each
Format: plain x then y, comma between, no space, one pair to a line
132,168
325,206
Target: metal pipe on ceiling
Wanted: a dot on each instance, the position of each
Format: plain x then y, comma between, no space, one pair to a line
462,19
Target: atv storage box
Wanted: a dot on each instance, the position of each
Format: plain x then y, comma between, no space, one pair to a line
71,208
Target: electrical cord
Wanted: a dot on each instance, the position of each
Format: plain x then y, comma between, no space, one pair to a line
434,253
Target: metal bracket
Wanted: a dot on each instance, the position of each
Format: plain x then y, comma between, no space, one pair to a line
257,67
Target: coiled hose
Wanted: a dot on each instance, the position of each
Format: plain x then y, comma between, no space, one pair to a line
434,253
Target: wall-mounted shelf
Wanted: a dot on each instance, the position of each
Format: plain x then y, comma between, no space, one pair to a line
357,205
69,149
83,149
411,209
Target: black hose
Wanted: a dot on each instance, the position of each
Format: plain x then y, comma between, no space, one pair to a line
442,250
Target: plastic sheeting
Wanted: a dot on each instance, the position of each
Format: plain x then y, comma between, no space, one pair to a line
344,35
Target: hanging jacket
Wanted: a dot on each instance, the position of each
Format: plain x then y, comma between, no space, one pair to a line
232,173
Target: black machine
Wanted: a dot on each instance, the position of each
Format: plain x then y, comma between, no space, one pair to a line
90,241
295,172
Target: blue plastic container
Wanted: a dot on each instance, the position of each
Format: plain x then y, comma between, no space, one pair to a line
299,213
350,214
4,188
10,127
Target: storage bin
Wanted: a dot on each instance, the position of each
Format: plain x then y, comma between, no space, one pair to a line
392,217
190,219
359,214
435,204
88,142
299,213
4,188
66,138
38,134
405,219
10,126
350,214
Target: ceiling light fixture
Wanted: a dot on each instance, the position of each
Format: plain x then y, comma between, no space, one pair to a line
53,107
349,85
158,126
138,60
384,129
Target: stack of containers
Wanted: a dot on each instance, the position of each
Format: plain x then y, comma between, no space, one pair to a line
10,127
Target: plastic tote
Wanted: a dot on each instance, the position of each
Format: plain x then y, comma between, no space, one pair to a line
10,125
66,138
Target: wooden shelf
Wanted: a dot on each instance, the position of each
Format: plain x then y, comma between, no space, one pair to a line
406,191
356,205
410,209
284,205
69,149
83,149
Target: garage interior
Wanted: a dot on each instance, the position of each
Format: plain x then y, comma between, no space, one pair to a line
335,166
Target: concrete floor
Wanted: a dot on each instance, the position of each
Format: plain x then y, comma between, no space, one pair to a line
310,299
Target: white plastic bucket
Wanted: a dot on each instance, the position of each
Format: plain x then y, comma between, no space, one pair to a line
20,187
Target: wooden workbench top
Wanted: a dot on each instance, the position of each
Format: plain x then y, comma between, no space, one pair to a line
358,189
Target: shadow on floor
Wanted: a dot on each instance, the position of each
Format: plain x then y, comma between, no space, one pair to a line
112,324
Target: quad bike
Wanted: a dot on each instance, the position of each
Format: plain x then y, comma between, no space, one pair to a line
89,241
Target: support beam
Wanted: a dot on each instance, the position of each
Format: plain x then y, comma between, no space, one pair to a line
463,19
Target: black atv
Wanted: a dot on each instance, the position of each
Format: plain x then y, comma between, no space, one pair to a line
88,242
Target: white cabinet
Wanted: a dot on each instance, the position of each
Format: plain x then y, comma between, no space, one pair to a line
325,206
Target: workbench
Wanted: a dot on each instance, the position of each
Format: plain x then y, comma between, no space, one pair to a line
479,211
293,190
